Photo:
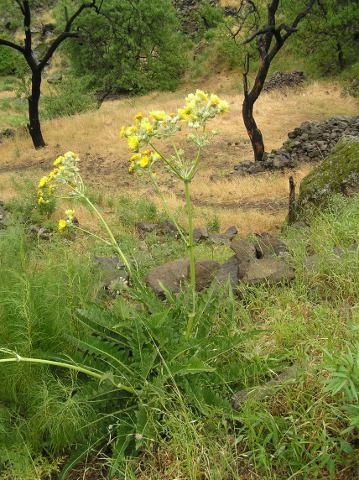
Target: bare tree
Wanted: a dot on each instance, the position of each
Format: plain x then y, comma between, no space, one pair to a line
269,40
37,66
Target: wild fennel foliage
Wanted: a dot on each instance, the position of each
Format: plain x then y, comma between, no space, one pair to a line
140,346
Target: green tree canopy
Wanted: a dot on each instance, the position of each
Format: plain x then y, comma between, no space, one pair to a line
131,46
330,35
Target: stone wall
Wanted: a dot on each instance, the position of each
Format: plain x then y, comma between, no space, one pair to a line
311,142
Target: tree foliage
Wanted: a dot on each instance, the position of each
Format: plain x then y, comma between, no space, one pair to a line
330,36
132,46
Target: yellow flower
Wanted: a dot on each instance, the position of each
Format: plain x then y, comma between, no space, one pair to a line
147,152
144,161
51,189
139,116
223,107
132,142
146,125
202,95
42,182
135,157
70,213
130,168
214,101
40,200
39,193
158,115
185,113
59,160
62,168
122,131
62,225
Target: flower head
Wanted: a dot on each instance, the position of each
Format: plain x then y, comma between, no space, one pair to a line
62,225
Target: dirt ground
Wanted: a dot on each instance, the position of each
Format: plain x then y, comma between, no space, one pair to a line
259,201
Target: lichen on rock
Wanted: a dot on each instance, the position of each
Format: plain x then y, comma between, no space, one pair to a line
337,174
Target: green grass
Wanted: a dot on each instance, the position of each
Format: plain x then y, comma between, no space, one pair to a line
180,425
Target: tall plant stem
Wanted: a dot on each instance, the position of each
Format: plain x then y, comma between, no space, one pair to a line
168,211
113,240
69,366
190,234
191,260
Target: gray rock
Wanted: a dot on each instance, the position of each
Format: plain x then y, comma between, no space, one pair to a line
3,216
205,273
113,273
269,270
144,227
171,275
200,234
244,250
228,271
267,245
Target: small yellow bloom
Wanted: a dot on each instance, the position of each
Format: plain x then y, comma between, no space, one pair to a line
132,142
70,213
146,125
139,116
39,193
130,168
59,160
144,161
122,131
62,168
62,225
42,182
135,157
158,115
223,107
202,95
214,101
40,200
51,189
147,152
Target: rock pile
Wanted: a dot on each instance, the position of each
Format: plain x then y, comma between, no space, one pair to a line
284,80
260,261
188,15
311,142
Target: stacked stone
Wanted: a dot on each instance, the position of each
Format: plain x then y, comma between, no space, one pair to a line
284,80
311,142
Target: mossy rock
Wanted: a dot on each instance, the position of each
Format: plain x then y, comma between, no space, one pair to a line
337,174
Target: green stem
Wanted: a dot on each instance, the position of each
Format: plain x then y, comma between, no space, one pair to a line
113,240
91,234
168,211
167,162
191,260
190,234
64,365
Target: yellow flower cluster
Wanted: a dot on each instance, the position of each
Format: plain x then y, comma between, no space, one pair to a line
139,162
63,224
65,171
199,107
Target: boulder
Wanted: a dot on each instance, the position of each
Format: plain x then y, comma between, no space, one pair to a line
171,275
338,173
205,273
266,270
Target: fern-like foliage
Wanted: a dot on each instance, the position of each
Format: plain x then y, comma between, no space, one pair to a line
141,344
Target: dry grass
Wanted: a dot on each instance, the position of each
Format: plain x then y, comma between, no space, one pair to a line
250,203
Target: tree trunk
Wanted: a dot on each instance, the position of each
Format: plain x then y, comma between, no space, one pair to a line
250,97
255,135
34,119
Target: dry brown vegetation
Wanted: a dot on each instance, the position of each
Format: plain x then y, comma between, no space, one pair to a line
251,203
